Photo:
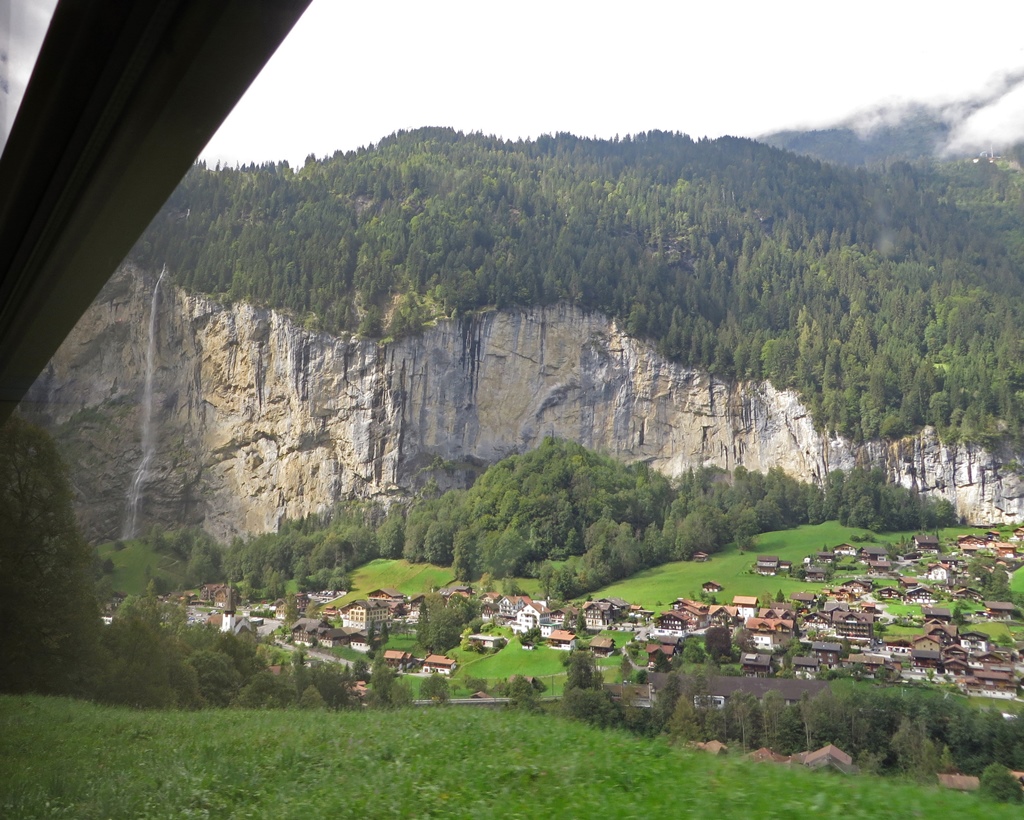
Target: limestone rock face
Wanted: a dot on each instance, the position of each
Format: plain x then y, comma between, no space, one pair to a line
258,419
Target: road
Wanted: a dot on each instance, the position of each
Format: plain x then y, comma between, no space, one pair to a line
319,654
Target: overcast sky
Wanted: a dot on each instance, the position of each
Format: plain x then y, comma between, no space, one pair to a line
352,73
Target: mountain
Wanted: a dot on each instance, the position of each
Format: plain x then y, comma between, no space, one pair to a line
975,125
916,137
259,419
424,307
880,297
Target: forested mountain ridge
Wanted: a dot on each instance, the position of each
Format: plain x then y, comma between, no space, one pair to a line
879,299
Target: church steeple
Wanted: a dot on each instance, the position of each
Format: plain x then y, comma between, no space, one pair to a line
227,621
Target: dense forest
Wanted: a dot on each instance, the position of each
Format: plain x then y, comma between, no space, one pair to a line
889,298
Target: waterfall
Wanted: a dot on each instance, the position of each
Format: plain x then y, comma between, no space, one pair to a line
148,439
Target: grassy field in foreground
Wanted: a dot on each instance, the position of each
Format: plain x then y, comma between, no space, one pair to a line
63,758
137,563
658,587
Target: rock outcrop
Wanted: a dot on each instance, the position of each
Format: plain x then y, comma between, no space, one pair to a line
258,419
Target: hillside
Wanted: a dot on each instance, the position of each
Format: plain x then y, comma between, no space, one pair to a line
571,518
66,758
876,297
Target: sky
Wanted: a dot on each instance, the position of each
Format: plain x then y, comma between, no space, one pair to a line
22,26
351,73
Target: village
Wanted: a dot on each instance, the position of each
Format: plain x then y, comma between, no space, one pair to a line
916,617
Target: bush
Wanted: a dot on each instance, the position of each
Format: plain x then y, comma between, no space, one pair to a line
998,784
435,688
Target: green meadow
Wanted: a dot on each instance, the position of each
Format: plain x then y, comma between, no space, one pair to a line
512,660
658,587
1002,632
399,574
63,758
137,563
1017,581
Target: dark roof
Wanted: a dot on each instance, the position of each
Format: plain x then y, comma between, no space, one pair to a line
790,689
821,646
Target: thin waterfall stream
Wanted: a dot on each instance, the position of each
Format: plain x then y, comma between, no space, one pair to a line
148,438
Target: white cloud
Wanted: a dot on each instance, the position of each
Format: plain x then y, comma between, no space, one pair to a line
997,125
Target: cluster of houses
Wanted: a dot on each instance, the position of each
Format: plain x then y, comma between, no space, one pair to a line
968,658
877,562
944,569
827,757
364,618
837,628
522,614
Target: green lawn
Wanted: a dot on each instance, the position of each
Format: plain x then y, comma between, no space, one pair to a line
909,610
620,638
1000,631
348,653
62,758
656,588
404,643
512,660
895,631
455,687
137,563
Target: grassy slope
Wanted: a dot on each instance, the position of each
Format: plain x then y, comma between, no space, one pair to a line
1017,581
397,574
67,759
730,568
412,578
656,588
130,566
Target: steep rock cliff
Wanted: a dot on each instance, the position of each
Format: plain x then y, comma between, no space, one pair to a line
258,419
